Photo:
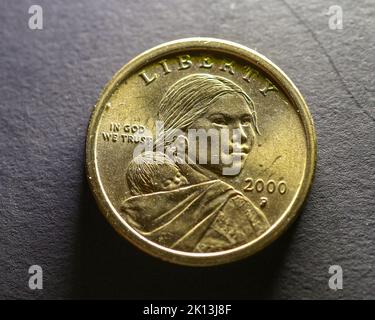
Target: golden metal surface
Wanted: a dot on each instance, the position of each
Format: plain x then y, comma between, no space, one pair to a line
194,213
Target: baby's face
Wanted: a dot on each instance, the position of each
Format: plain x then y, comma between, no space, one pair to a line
170,178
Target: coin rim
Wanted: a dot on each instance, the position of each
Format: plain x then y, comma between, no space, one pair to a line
275,74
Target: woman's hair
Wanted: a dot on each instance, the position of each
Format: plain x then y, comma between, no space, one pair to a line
189,98
143,170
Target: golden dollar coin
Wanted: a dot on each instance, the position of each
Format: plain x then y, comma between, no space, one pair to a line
200,151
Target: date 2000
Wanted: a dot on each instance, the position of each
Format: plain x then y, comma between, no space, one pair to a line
269,186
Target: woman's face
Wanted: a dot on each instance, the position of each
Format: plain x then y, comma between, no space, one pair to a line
230,117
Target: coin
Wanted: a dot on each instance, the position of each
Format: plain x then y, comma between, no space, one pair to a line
200,151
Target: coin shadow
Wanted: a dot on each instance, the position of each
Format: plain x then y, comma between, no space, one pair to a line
109,267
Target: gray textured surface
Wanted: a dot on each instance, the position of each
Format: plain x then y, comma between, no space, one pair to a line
49,81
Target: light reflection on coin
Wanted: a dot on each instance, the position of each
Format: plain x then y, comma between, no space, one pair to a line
200,151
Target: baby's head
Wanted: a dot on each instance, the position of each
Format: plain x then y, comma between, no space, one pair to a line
153,172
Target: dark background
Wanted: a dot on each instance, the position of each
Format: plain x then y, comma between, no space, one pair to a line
50,80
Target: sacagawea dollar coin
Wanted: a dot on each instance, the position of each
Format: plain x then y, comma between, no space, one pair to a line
200,151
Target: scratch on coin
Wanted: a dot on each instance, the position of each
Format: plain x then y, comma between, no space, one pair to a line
270,166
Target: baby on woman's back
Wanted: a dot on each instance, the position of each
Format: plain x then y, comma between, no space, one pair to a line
153,172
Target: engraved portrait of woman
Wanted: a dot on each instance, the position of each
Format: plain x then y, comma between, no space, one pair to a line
185,205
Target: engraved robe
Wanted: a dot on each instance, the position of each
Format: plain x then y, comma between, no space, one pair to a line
204,217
